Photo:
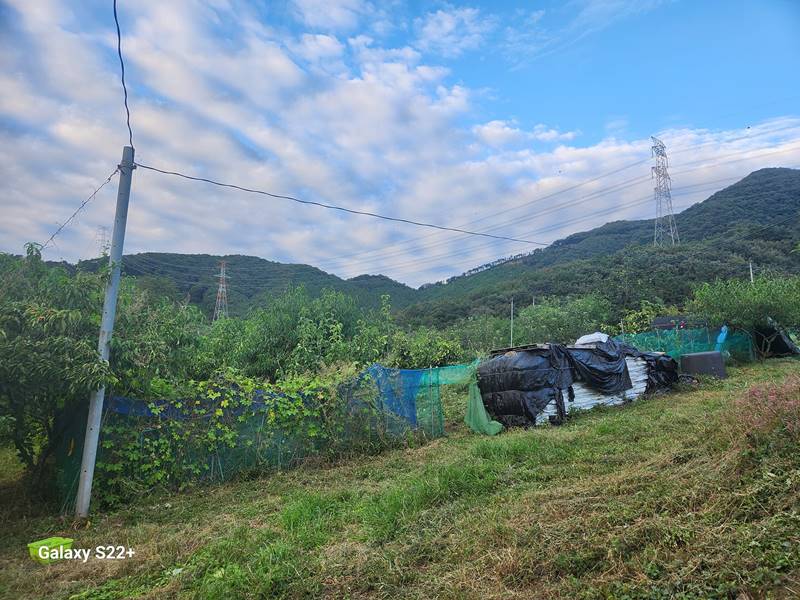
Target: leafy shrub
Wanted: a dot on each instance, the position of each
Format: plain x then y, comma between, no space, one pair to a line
49,364
478,335
749,305
562,321
421,349
228,424
637,321
48,358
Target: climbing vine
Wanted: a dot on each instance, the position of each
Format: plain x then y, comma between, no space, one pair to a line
230,423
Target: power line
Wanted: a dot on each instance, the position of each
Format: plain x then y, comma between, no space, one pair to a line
383,253
681,191
17,272
385,250
750,234
494,214
122,68
484,233
158,262
378,256
616,187
131,267
465,251
79,209
339,208
151,264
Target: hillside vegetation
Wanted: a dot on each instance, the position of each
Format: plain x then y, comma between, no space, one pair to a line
252,281
694,494
757,218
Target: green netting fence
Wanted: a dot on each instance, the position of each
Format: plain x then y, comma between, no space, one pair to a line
170,444
737,346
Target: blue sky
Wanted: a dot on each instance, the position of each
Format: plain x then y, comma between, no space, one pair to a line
479,115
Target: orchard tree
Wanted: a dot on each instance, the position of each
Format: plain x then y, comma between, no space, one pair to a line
48,353
49,364
562,321
750,306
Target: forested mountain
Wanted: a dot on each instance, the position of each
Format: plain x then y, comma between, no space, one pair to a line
765,196
757,218
251,280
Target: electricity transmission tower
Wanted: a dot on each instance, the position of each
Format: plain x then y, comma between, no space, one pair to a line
102,240
221,308
666,230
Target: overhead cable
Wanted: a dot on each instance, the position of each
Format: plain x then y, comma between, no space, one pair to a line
335,207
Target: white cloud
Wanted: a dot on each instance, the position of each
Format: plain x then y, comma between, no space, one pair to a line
331,14
318,47
544,133
500,133
452,31
350,122
537,33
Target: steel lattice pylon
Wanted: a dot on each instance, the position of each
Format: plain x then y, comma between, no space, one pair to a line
221,307
666,230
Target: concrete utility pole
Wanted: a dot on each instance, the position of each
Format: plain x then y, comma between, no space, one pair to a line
751,272
89,457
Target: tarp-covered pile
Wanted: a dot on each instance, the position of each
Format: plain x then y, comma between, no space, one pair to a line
521,384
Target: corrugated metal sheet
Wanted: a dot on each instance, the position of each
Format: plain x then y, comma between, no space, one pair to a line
586,398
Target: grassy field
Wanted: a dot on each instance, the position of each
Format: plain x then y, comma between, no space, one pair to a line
670,497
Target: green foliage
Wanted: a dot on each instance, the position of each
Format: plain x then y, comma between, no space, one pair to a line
561,321
155,339
48,358
49,364
640,320
421,349
748,306
296,334
228,423
478,335
325,326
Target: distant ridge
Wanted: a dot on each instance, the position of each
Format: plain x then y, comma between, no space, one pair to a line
618,254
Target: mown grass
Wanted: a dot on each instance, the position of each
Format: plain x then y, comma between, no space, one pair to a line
661,499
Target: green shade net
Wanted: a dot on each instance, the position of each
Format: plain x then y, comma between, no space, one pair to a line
380,406
476,418
677,342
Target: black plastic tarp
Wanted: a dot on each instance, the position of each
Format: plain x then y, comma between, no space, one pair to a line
662,369
517,384
602,367
773,341
522,384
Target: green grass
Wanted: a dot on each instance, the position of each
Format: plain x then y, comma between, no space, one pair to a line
652,500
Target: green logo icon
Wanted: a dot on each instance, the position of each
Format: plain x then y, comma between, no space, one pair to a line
49,550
